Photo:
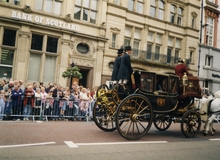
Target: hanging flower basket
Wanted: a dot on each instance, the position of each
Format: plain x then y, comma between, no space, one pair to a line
72,72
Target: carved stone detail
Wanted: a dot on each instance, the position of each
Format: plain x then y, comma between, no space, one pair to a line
194,14
115,30
66,41
68,18
84,62
27,9
91,51
24,34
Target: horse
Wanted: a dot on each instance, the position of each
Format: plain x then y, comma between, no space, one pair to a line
209,105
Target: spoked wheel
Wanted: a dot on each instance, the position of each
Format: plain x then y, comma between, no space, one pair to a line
101,89
118,93
103,115
162,122
134,117
191,123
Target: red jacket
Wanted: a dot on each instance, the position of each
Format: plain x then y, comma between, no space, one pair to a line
28,99
180,69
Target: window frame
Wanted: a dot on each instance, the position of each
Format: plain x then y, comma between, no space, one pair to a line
9,48
89,9
44,53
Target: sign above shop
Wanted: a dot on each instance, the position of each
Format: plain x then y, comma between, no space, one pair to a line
44,21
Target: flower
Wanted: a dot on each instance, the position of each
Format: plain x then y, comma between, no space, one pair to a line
72,72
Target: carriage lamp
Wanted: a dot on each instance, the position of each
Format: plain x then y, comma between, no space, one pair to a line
185,83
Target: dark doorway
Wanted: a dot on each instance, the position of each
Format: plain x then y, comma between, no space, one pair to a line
83,81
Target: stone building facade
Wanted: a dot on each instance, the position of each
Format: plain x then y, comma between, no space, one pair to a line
209,70
41,38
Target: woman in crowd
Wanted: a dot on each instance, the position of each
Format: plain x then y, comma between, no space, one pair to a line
84,102
37,106
28,102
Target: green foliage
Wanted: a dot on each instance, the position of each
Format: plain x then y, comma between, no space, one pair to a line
72,71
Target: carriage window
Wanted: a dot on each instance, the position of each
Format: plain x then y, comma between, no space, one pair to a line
147,81
161,83
173,85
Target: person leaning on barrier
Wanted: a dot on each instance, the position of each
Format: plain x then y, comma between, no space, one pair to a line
125,70
116,67
16,100
28,101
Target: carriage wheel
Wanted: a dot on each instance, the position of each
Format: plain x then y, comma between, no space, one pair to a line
103,116
134,117
162,122
118,93
191,123
102,88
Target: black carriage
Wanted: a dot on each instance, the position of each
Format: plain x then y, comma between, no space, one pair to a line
157,98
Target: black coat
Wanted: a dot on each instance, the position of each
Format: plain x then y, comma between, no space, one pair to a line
116,68
125,70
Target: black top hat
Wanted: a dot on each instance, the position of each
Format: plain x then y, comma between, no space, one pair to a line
120,51
127,48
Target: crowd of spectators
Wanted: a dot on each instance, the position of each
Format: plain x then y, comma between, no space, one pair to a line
19,101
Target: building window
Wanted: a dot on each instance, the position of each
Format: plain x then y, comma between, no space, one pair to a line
208,61
191,55
149,51
150,41
37,42
127,39
174,47
114,40
153,8
52,44
111,65
137,39
172,13
157,53
194,16
180,15
157,9
50,6
86,10
43,63
176,14
15,2
9,37
82,48
139,5
157,46
7,53
209,31
133,37
161,10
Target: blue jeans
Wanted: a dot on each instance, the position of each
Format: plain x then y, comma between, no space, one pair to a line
8,108
27,111
76,108
56,109
2,108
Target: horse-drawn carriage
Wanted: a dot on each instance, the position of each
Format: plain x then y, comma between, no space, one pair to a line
132,111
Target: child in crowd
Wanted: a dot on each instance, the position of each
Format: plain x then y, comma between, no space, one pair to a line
2,103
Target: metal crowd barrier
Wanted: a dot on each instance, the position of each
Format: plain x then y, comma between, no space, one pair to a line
48,109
